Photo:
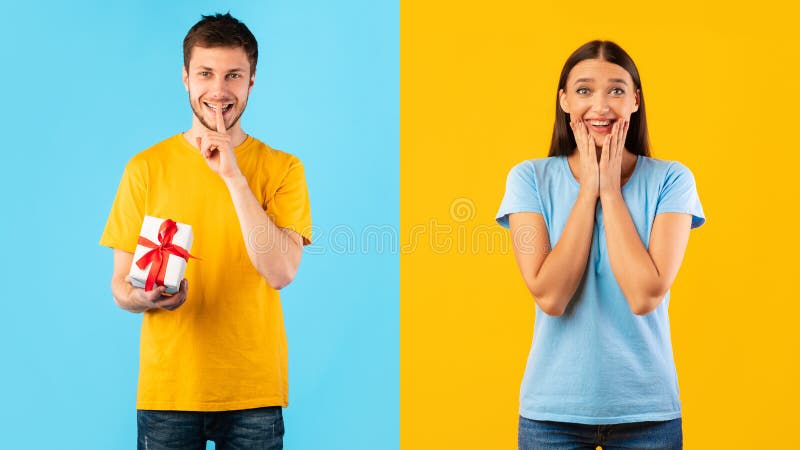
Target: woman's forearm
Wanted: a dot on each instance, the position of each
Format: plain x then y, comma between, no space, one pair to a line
562,270
633,268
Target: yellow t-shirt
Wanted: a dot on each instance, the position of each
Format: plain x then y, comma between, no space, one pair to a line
225,347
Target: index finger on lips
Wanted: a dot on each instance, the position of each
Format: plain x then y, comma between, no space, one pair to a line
220,119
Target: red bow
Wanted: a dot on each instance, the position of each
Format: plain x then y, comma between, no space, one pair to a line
160,254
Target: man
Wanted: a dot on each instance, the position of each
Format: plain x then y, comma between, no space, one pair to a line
213,360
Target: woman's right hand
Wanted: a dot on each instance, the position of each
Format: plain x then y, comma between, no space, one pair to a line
589,168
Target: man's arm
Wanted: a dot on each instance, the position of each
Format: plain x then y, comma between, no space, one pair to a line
135,299
275,252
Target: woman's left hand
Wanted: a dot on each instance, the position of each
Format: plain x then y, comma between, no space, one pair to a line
611,158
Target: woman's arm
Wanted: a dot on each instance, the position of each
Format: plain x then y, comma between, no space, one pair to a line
644,275
552,277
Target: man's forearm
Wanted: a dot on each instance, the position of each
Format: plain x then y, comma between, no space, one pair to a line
272,251
121,290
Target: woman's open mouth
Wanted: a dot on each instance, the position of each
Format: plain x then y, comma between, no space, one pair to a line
601,126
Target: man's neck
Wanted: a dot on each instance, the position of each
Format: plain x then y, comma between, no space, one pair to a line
237,134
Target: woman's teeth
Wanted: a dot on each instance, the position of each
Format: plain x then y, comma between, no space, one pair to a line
599,123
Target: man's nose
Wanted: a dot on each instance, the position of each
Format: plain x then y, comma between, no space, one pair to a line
218,89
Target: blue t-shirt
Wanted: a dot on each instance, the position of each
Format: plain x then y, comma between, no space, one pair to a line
599,363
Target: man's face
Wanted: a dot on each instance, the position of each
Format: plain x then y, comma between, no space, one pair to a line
218,75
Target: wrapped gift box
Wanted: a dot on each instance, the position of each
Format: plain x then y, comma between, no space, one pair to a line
161,254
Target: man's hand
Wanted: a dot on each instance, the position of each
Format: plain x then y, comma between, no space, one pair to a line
217,148
157,297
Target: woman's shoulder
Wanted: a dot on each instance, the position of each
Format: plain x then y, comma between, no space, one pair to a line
540,174
663,167
536,164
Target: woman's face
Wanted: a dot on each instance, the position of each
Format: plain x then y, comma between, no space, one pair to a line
599,93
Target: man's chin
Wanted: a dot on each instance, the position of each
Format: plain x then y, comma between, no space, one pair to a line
212,120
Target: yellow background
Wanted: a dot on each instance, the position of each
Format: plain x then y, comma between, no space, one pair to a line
722,93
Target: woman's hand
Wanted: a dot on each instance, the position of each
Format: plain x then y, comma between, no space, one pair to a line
611,158
589,169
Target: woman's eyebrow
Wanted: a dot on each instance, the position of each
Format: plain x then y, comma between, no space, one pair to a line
612,80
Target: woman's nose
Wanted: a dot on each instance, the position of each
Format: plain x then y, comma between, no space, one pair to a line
600,104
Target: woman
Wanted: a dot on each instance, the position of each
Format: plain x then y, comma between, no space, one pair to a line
600,370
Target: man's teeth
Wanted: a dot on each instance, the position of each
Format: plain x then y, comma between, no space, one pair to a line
214,107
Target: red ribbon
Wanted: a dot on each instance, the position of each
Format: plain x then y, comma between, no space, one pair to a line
159,255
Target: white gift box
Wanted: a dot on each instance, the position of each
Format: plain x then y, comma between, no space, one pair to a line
176,265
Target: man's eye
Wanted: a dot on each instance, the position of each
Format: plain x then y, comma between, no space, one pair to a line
204,74
582,90
234,75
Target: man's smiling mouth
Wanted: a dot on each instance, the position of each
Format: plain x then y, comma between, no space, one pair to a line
225,108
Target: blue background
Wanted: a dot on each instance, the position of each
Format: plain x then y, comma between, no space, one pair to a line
85,86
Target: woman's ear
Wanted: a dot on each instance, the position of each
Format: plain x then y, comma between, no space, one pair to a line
636,106
562,101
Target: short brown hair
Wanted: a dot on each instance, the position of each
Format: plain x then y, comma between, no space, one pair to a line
220,30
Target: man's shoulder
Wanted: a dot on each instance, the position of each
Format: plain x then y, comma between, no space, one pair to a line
156,151
272,156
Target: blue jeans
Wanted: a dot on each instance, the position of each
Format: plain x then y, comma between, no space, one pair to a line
546,435
245,429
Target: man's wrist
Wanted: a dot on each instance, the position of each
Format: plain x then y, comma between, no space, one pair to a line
236,182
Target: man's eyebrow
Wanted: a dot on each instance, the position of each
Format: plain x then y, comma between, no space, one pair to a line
613,80
209,69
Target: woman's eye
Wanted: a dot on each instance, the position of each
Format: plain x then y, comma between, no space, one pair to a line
620,91
582,91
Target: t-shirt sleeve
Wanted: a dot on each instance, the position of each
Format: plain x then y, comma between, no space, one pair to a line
521,194
679,194
290,207
127,212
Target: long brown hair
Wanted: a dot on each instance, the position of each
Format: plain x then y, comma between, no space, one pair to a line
563,141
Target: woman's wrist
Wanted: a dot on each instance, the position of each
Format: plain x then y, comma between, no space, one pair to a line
587,197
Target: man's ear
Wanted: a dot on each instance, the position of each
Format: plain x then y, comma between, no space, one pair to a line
185,78
252,80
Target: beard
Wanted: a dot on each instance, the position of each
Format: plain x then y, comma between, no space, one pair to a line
199,113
